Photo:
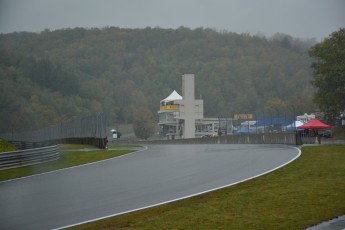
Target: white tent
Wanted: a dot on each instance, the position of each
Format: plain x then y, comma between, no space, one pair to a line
172,97
294,126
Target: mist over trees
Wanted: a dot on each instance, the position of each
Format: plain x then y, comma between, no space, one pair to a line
53,76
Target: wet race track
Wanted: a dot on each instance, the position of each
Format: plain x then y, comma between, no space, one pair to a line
160,174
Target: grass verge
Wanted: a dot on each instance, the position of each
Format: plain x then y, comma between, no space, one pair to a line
123,146
67,159
5,146
304,193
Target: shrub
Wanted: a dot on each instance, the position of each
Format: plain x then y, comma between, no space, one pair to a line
6,146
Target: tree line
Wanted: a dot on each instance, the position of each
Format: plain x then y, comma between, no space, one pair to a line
329,76
53,76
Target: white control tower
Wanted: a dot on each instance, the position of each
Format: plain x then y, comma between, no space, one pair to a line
178,114
191,109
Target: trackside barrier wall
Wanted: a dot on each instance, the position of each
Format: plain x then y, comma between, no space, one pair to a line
86,127
85,130
264,138
97,142
28,157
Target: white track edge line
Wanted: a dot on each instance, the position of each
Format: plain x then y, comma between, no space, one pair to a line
185,197
77,166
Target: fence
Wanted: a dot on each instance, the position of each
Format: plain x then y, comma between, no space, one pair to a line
28,157
85,130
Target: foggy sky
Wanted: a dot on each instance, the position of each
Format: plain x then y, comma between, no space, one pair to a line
298,18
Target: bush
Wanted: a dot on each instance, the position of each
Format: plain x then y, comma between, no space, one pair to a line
339,133
144,125
6,146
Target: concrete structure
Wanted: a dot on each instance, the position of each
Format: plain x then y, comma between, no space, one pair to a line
191,109
286,138
177,114
183,116
306,117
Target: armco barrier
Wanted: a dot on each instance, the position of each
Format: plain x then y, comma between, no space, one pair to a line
28,157
22,145
97,142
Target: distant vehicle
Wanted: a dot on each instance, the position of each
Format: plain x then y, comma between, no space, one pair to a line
115,133
326,134
209,135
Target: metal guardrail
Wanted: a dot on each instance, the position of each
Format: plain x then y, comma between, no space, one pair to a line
22,145
28,157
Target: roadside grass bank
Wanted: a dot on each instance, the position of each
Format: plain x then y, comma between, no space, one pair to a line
121,146
5,146
306,192
70,155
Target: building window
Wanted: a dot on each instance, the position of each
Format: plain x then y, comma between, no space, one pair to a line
170,117
162,117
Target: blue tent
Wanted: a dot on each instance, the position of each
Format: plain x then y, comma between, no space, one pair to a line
292,126
284,121
245,130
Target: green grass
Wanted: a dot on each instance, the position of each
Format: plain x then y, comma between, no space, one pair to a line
110,145
6,146
75,146
304,193
123,146
67,159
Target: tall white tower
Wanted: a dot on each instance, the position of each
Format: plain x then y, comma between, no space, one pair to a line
179,115
188,95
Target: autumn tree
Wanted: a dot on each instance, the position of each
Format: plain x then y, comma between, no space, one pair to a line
329,74
54,75
143,123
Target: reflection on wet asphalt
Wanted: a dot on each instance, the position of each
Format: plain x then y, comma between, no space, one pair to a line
159,174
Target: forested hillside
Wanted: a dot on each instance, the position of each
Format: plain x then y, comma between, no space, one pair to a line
53,76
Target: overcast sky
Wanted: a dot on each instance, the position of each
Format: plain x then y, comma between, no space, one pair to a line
298,18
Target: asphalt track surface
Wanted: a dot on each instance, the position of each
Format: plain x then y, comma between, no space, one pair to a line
160,174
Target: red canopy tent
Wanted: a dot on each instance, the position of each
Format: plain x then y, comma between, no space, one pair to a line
314,124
